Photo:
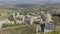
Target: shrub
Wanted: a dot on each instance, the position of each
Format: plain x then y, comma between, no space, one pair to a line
36,22
11,18
7,25
11,25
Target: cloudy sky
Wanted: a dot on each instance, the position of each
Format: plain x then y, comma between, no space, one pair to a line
29,0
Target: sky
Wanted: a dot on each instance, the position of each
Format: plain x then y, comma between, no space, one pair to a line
36,1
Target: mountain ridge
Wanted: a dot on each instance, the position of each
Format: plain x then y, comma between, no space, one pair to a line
30,1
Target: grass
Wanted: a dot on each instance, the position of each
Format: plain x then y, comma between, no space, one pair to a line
53,32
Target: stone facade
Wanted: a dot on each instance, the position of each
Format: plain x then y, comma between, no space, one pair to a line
43,17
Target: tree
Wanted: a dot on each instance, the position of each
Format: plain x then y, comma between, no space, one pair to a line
11,18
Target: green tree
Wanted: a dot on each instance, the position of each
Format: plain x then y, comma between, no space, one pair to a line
11,18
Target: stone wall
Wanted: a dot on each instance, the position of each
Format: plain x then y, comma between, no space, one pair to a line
27,29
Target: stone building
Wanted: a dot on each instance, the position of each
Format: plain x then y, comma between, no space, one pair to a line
29,19
43,17
48,17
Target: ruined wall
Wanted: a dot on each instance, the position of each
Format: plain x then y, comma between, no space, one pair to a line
28,29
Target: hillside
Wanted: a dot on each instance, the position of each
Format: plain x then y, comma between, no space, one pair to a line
4,13
55,7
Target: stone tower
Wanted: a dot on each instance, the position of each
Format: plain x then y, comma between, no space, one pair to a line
48,17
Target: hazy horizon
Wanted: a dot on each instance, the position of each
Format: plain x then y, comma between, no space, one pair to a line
32,1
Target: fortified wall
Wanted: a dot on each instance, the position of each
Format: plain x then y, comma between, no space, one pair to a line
27,29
